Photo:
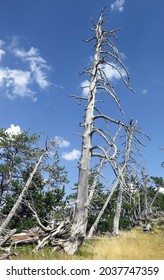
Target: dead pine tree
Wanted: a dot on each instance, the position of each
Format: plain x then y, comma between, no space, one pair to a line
121,182
145,180
133,146
105,55
114,186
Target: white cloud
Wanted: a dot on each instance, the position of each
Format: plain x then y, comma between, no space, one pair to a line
118,5
13,130
2,52
110,72
25,54
161,190
85,87
16,83
37,65
61,142
20,82
74,155
2,76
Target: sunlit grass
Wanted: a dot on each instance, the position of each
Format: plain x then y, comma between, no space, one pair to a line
131,245
134,245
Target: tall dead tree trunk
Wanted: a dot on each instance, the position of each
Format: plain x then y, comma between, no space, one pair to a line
105,53
81,212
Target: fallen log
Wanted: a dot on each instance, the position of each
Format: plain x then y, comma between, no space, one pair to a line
49,238
30,236
7,237
7,255
55,238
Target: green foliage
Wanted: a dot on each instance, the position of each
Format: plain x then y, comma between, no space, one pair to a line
125,223
158,183
130,211
160,201
18,155
97,203
42,196
16,152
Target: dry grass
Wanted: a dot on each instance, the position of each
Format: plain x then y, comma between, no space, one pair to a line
134,245
131,245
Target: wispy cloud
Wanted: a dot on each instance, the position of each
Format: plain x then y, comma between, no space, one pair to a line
144,91
22,81
61,142
38,66
118,5
2,43
74,155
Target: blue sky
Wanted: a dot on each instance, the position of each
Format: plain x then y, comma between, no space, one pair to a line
42,50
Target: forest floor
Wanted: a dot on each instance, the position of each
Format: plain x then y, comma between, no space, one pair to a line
131,245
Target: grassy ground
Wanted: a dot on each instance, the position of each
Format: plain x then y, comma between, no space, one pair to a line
131,245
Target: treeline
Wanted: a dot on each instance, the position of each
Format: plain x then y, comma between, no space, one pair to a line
47,195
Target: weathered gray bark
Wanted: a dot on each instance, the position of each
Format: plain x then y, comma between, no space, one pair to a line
7,236
116,220
145,212
102,162
81,212
95,224
104,49
130,135
22,194
7,255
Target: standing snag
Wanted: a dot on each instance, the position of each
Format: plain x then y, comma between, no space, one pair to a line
105,56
